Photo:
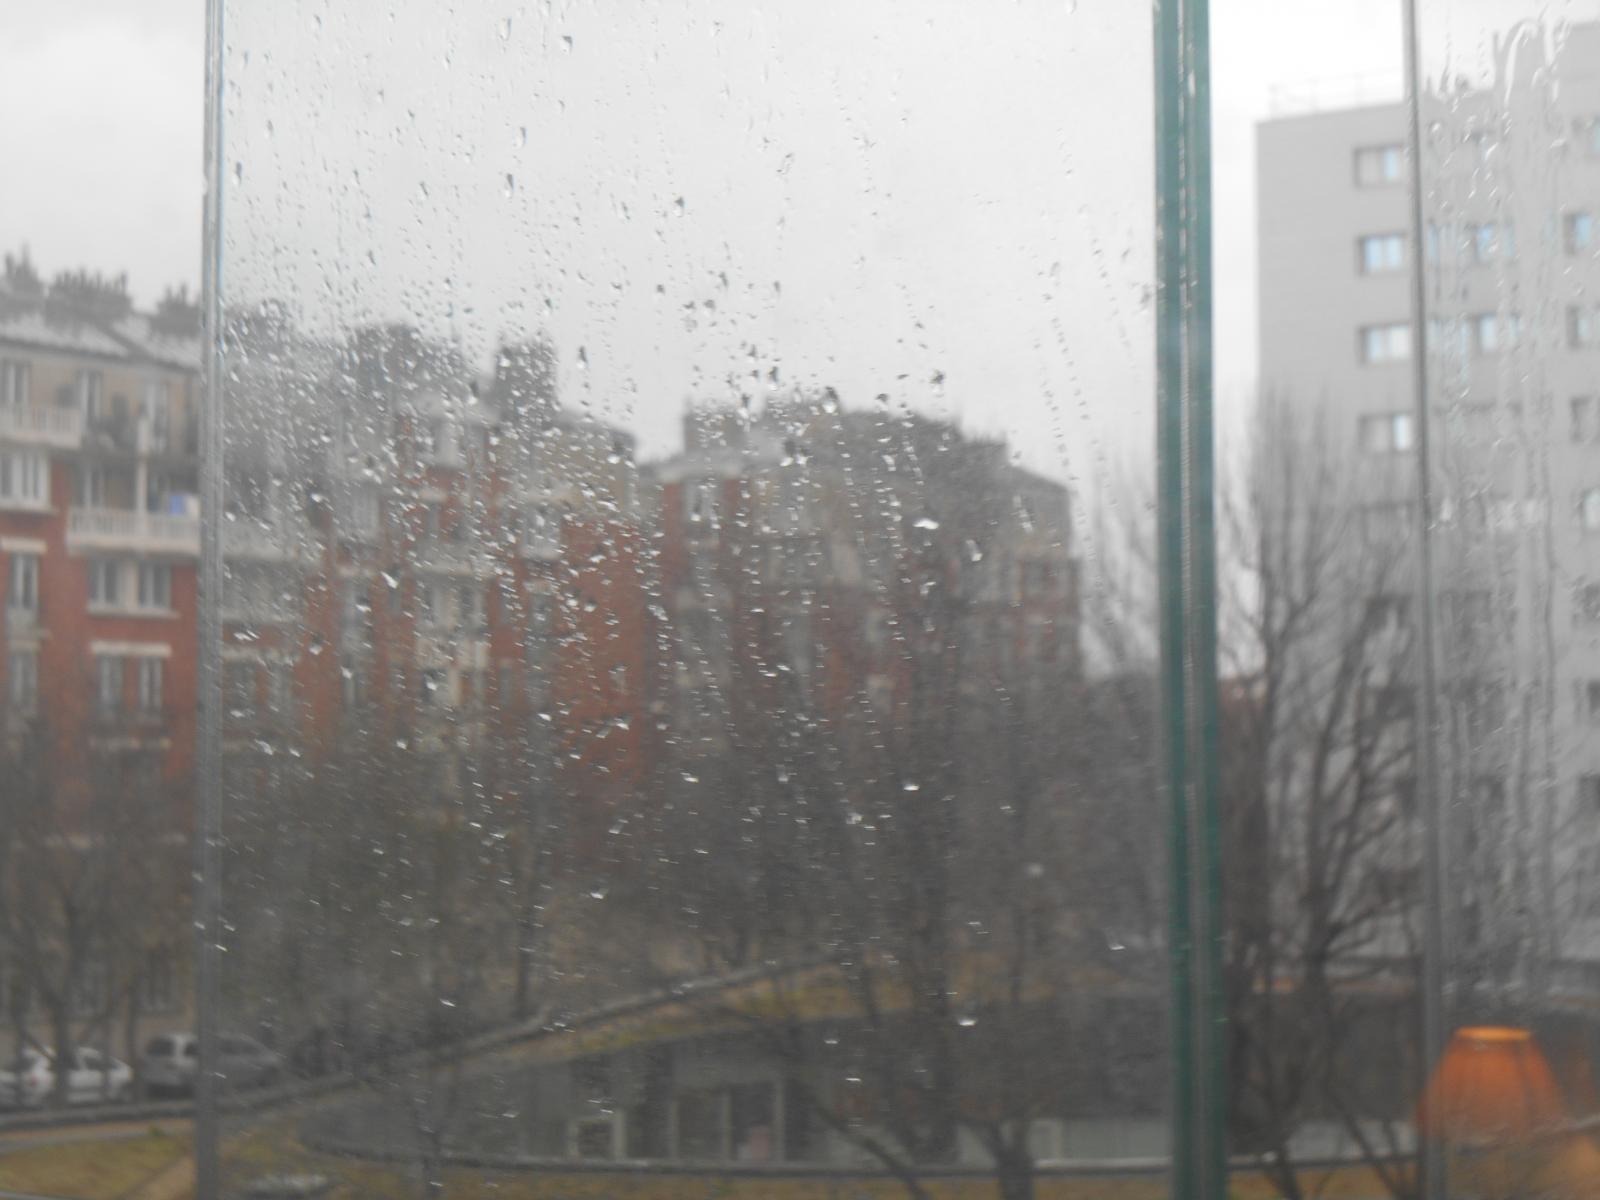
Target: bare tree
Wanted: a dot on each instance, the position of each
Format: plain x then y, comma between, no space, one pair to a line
906,868
87,873
384,919
1318,727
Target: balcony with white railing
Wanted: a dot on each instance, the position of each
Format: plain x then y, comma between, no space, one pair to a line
131,530
280,540
41,425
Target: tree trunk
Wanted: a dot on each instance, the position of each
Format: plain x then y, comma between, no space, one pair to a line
522,999
130,1031
1014,1174
65,1052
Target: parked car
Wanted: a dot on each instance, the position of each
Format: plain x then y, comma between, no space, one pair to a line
168,1064
245,1062
92,1078
26,1080
172,1060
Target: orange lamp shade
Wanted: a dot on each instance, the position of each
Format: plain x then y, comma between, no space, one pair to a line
1492,1084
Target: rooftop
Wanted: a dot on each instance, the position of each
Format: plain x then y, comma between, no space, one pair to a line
91,315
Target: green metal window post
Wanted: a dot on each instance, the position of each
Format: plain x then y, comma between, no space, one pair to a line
208,823
1185,462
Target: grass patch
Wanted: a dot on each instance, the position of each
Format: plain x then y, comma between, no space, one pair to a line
90,1170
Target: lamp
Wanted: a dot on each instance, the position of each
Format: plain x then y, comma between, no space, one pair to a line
1494,1100
1492,1085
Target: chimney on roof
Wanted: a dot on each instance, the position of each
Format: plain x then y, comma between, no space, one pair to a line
89,296
21,279
176,315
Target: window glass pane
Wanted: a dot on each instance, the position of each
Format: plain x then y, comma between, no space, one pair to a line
723,405
1470,724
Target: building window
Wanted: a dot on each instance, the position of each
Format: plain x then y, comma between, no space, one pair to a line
427,436
1382,253
1377,166
156,407
92,394
1591,699
433,692
1577,232
700,501
150,679
470,599
1393,702
1589,509
1431,242
1586,603
699,1125
1385,433
1385,523
22,682
22,584
1490,332
1038,580
1487,242
15,378
1404,794
1388,613
89,486
1393,885
239,688
105,581
541,534
1385,343
22,477
353,607
352,684
593,1138
1584,427
1580,327
363,513
107,683
155,585
1589,794
1468,613
280,680
536,648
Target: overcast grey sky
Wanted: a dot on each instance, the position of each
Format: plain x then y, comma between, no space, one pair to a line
944,201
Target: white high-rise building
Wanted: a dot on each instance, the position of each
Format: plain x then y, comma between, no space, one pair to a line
1511,169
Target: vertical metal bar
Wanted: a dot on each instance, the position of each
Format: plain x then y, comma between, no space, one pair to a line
1187,591
208,772
1431,983
1169,550
1200,612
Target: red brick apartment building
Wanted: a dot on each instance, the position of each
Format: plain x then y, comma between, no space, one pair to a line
448,562
409,548
413,548
99,537
786,542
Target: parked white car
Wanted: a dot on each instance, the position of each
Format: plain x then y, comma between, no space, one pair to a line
171,1060
92,1078
168,1065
